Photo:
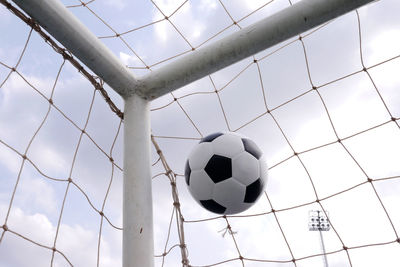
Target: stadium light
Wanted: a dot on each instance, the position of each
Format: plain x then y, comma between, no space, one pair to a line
318,221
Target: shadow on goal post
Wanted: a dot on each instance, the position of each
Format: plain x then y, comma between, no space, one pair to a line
138,92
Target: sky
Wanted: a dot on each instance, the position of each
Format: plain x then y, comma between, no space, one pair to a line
356,108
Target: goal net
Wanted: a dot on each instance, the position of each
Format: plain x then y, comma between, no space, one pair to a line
324,107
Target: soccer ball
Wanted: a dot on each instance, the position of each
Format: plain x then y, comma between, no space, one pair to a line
226,173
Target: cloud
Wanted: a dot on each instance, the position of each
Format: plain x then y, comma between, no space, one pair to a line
129,60
36,192
383,46
77,243
189,20
116,4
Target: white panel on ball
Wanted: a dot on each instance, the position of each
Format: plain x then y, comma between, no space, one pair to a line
245,168
230,194
201,186
199,157
228,145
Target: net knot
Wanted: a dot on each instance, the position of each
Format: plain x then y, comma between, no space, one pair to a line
177,204
65,54
54,249
370,180
345,248
5,227
24,156
70,180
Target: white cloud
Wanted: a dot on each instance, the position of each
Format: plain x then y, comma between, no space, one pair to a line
77,243
208,5
384,46
168,6
189,22
36,192
9,159
129,60
116,4
253,4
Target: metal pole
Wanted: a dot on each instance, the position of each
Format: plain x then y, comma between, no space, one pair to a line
248,41
323,249
138,247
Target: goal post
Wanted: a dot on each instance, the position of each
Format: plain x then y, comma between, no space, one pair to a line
68,30
137,207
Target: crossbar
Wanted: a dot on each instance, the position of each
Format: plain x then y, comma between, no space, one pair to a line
246,42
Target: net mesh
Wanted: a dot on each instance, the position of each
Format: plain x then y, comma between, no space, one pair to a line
324,108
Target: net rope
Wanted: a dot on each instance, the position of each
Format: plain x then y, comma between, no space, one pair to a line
161,167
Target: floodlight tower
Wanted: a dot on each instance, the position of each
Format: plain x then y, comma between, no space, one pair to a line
137,92
318,221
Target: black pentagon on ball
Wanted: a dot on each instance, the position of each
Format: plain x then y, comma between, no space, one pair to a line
253,191
251,148
211,137
219,168
213,206
187,172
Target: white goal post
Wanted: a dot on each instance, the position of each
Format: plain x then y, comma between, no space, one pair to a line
137,92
